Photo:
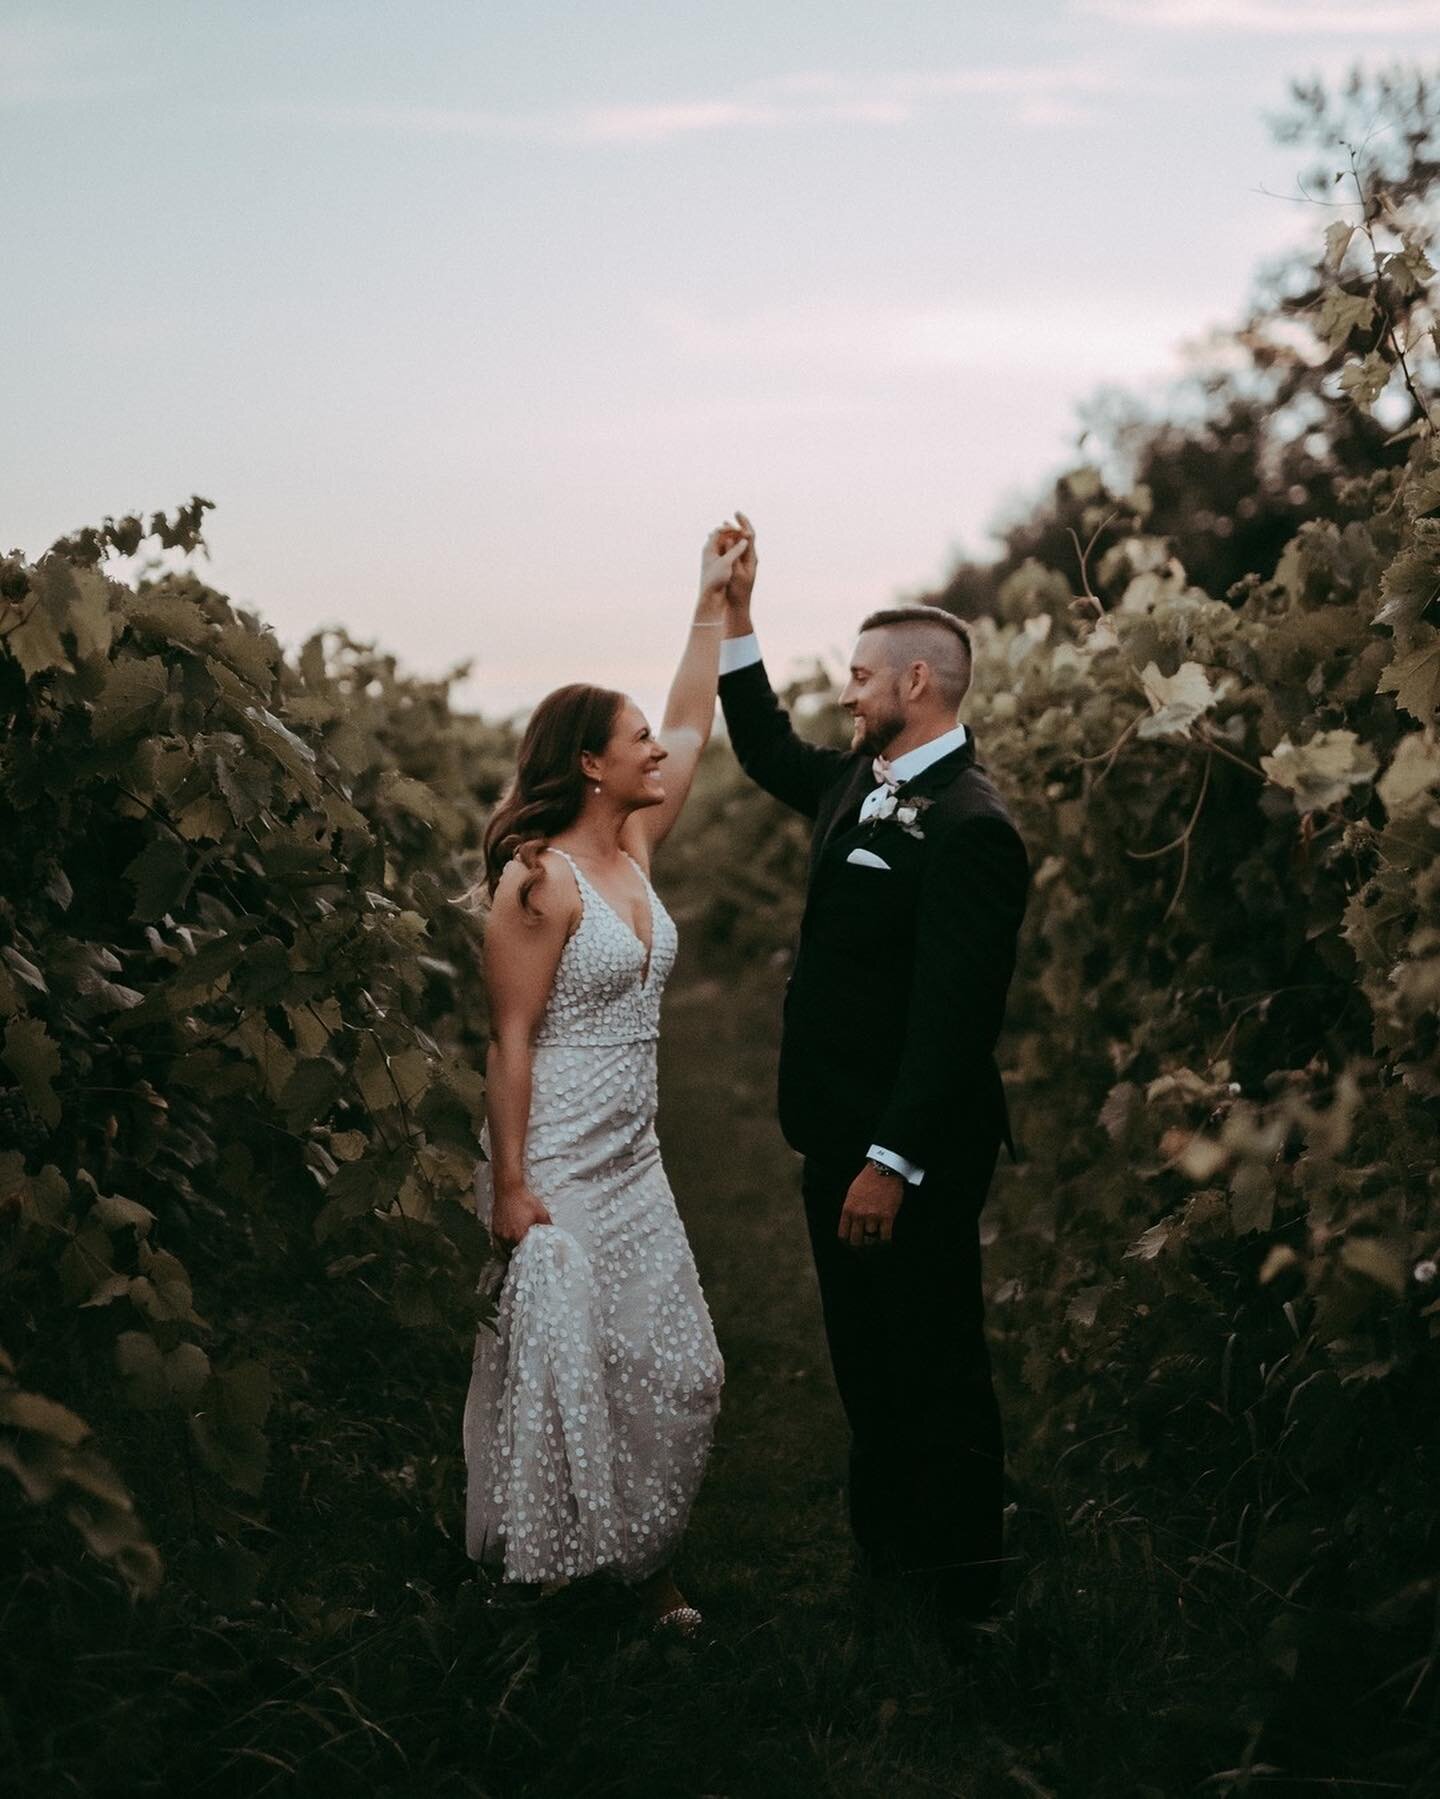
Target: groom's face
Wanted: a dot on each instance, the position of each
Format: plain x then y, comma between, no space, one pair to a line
872,696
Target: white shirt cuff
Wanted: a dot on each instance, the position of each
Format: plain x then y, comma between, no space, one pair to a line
738,652
888,1156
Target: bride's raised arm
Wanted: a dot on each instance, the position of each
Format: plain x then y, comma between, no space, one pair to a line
690,708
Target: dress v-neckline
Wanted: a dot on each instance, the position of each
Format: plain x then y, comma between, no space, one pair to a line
648,949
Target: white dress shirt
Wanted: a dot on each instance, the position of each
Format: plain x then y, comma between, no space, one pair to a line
741,652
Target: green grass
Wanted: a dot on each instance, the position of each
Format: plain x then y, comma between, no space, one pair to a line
348,1646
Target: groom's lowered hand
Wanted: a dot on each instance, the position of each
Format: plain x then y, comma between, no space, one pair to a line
867,1219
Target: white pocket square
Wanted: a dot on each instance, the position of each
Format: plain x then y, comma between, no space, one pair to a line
868,859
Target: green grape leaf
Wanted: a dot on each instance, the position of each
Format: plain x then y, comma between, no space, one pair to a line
33,1057
187,1369
1321,772
133,688
142,1370
1409,268
206,817
117,1213
1414,679
1409,585
1422,490
292,752
162,1291
229,1428
159,875
1413,772
1339,314
25,969
92,614
1252,1198
34,642
1337,242
410,796
1377,1261
1176,701
361,1187
310,1092
1364,381
171,616
254,655
43,1417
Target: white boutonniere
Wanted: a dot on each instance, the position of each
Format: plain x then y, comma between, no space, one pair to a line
910,812
907,810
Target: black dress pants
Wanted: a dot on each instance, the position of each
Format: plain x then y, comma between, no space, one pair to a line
905,1324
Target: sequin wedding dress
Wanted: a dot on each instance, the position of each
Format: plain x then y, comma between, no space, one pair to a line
591,1404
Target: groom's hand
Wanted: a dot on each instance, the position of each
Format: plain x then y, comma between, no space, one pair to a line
868,1216
742,576
724,548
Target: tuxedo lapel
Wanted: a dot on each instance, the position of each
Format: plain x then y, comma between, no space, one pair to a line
847,810
844,830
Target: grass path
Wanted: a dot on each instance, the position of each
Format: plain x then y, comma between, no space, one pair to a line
794,1692
369,1661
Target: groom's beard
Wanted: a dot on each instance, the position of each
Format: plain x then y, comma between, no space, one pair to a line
878,732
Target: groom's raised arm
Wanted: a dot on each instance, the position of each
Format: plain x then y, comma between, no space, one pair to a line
765,742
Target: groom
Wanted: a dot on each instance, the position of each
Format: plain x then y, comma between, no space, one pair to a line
888,1082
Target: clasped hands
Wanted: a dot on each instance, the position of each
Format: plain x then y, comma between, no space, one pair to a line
728,562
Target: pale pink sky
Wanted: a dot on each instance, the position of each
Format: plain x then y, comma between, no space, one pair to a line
473,318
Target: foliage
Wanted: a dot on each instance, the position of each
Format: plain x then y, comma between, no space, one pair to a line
237,1010
241,1042
1288,413
1214,1269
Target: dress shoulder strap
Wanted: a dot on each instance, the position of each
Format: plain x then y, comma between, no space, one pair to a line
582,886
565,856
638,867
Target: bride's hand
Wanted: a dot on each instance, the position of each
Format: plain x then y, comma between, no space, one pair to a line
724,549
514,1213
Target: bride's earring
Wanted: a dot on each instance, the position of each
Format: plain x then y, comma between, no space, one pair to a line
597,787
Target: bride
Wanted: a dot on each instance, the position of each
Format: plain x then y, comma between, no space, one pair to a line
592,1402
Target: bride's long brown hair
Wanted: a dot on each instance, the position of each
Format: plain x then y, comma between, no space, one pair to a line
549,785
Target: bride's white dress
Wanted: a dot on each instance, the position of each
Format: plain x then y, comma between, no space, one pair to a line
591,1404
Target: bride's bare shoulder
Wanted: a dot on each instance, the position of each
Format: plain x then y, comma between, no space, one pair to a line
545,893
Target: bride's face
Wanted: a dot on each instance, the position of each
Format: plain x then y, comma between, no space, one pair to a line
629,771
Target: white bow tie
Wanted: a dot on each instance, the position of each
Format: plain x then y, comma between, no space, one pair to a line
880,801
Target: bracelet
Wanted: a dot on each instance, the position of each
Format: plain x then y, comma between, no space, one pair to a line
884,1167
703,624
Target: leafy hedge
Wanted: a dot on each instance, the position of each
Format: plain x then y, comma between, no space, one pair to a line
243,1041
234,991
1214,1271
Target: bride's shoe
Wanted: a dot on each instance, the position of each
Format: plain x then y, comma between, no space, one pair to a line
671,1614
680,1621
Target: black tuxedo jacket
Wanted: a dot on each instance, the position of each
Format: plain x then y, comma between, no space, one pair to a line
896,998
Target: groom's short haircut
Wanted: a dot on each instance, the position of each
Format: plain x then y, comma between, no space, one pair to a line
931,635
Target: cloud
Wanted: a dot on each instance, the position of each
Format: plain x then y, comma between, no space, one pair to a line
1043,96
1089,339
1272,18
